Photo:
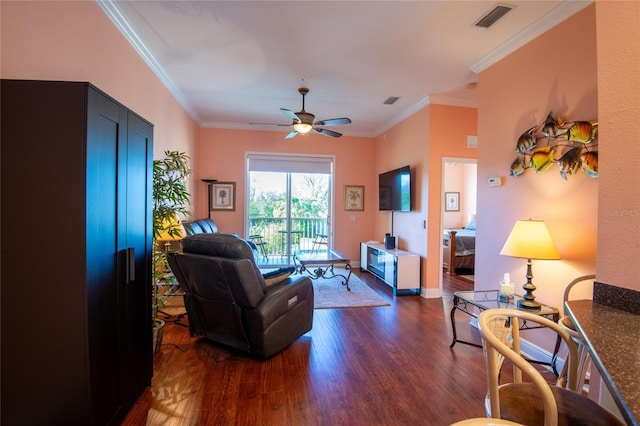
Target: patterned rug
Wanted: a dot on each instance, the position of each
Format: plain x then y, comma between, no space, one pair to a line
330,293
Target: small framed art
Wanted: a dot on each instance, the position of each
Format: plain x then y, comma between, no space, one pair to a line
223,196
451,201
353,197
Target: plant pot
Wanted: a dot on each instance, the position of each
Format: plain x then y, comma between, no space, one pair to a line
158,329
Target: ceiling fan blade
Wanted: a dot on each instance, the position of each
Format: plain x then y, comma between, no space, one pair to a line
333,122
291,135
290,114
328,132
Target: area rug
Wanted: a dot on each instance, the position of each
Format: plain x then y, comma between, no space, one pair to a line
330,293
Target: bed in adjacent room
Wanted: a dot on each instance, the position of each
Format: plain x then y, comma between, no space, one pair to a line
459,248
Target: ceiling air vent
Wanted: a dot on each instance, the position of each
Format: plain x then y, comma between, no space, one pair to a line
493,15
391,100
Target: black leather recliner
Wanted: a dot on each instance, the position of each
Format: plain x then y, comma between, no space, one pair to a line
228,302
200,226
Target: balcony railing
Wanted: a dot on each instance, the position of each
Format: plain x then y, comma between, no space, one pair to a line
274,234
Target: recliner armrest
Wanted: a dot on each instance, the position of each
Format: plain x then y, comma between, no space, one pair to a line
280,298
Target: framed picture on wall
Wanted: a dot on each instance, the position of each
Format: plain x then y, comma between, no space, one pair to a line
223,196
451,201
354,197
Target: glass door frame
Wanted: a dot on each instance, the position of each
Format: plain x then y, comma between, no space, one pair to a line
287,235
328,159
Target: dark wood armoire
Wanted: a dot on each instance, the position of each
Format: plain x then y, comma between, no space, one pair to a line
76,235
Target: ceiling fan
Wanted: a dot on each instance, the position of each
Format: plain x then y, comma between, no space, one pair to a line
303,122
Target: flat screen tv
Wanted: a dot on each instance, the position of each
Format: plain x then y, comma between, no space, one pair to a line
394,189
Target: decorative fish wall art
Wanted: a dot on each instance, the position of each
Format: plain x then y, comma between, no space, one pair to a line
572,146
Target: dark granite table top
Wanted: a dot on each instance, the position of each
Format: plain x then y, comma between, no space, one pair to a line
613,340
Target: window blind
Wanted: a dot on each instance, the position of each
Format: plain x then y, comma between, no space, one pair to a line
289,163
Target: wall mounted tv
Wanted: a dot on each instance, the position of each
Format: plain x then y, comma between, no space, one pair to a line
394,189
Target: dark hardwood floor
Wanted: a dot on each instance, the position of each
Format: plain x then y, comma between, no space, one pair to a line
386,365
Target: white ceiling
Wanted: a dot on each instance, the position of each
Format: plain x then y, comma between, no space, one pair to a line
232,63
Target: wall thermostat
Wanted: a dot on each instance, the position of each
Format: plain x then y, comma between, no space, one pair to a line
495,181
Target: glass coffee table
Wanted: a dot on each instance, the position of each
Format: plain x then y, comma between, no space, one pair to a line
320,263
474,302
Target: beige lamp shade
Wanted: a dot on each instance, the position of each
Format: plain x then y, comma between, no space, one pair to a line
172,225
530,239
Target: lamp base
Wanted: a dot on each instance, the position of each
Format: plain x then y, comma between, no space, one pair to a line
528,304
528,301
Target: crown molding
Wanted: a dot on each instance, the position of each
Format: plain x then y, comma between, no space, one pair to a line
431,99
113,11
402,116
453,101
543,24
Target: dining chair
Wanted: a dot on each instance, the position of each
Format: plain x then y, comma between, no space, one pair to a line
584,359
525,396
260,243
320,240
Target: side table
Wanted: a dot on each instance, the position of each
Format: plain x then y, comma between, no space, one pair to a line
474,302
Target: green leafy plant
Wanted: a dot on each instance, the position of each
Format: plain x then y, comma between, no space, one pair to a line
171,201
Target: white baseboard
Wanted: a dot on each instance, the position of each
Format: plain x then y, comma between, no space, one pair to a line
430,293
531,351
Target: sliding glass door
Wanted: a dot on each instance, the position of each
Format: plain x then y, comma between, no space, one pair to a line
289,205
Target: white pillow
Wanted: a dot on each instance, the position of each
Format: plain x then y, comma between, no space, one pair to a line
471,226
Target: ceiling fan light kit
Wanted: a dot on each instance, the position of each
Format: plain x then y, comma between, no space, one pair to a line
302,127
303,122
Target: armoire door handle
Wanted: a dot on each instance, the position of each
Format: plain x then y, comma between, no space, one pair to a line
130,265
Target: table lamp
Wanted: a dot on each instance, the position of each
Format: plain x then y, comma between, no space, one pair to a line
530,239
172,229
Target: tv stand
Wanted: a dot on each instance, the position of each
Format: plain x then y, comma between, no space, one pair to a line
398,269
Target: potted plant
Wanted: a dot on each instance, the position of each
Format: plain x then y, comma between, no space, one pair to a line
171,201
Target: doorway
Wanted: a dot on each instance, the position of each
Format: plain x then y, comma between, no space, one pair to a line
289,203
459,177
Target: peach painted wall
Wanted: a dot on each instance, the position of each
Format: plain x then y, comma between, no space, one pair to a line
555,72
470,196
618,45
453,182
405,144
76,41
422,141
221,155
460,177
402,145
450,126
